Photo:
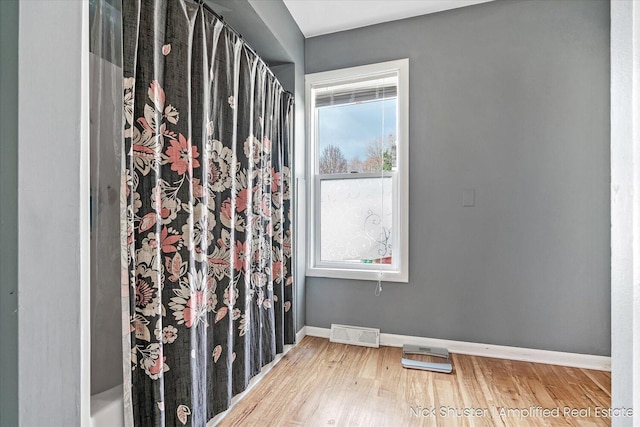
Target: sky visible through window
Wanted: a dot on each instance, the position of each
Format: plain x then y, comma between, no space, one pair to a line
352,127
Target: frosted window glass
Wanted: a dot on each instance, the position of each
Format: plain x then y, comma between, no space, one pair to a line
356,220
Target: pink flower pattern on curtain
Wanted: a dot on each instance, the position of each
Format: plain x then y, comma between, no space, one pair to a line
206,228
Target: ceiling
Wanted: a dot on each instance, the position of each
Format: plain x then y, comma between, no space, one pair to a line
317,17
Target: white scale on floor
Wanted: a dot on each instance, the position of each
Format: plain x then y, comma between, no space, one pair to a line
414,350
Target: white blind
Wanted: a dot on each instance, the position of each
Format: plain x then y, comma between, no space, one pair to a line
363,90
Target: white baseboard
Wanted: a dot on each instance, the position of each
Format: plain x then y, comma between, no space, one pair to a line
574,360
301,334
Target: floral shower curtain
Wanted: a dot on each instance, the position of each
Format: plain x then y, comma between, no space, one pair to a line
206,197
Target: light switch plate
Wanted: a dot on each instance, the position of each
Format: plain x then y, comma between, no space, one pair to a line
469,197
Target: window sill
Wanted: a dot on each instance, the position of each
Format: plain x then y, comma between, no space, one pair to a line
355,274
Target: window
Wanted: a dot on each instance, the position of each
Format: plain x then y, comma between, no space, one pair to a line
358,135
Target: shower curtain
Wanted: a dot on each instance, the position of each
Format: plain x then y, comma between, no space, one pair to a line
206,199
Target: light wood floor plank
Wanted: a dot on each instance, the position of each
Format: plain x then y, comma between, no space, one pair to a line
319,383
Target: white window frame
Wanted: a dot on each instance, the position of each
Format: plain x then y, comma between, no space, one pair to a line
398,271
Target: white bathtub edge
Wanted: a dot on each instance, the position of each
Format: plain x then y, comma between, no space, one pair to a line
107,408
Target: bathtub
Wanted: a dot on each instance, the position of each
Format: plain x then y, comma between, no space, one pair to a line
107,408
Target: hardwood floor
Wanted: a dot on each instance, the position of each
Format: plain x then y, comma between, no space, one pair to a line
322,383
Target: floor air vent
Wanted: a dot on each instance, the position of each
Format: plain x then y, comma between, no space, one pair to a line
367,337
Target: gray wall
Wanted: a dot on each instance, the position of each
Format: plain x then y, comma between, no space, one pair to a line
9,213
106,292
510,98
53,207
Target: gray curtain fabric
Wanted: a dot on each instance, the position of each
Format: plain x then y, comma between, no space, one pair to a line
206,197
